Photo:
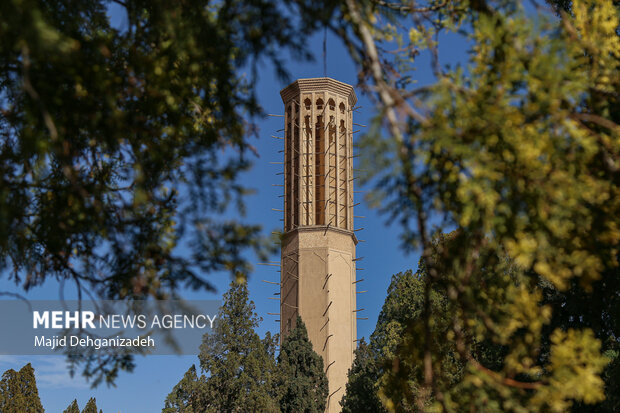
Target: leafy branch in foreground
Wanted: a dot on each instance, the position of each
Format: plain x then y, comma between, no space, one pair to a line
387,369
121,143
518,151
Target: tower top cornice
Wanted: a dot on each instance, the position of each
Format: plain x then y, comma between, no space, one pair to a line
316,84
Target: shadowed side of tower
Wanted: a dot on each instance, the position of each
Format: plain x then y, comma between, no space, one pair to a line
318,245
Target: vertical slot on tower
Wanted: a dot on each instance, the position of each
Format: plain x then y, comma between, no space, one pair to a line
320,169
296,171
332,153
308,169
288,169
344,175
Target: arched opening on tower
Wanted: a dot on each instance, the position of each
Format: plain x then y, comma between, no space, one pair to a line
319,104
332,104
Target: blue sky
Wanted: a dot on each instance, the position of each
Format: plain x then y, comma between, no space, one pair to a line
144,390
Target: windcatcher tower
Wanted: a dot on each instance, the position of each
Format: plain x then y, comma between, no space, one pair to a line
318,245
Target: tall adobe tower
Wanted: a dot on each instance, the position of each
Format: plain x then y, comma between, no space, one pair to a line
318,245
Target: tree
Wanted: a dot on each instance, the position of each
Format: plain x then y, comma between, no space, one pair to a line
400,336
303,384
403,304
599,310
91,406
239,368
361,391
184,397
19,393
370,378
373,371
519,152
73,407
111,138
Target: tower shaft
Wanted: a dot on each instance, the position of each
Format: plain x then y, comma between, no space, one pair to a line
318,245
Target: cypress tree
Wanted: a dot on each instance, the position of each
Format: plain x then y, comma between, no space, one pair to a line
373,363
73,407
361,391
185,396
403,304
12,398
303,383
91,406
240,370
19,392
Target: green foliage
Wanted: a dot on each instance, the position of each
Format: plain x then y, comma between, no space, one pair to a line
103,128
120,142
240,370
386,366
598,310
19,393
379,370
303,383
361,391
91,406
519,152
73,407
184,396
398,330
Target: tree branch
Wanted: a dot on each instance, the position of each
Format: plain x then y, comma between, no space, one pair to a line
404,8
504,380
47,118
389,97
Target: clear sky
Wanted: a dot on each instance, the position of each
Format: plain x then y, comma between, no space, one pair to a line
144,390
